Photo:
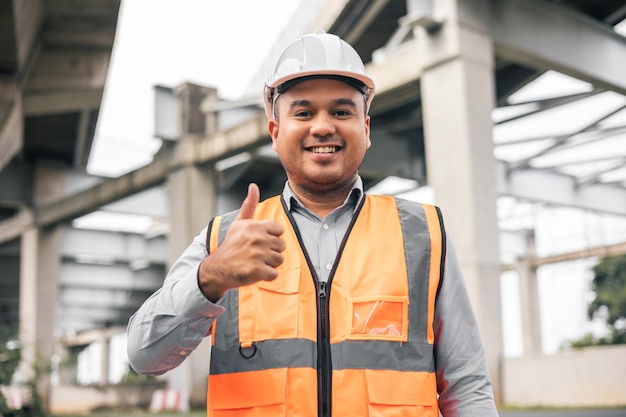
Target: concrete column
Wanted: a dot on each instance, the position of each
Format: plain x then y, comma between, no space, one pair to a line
191,197
39,276
40,266
457,99
529,297
104,359
193,121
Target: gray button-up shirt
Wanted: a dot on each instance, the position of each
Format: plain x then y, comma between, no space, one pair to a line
322,237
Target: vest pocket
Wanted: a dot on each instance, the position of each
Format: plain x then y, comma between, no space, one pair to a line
250,394
379,318
398,393
270,309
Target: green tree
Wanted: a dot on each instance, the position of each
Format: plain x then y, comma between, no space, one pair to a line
9,360
10,357
609,286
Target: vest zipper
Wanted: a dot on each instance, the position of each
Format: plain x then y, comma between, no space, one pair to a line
325,375
324,364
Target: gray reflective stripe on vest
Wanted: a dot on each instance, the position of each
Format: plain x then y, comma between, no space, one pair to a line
227,220
268,354
417,254
300,353
378,354
227,324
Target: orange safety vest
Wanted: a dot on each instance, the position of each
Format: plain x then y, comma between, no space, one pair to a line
360,344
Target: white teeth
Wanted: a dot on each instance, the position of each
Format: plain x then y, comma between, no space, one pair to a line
324,149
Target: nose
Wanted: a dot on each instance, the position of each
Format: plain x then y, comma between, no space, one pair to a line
323,124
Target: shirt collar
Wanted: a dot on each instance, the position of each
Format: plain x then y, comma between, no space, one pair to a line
354,196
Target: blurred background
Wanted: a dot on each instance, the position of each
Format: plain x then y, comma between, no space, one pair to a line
126,125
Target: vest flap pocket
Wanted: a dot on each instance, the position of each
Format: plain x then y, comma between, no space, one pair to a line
401,387
247,389
288,281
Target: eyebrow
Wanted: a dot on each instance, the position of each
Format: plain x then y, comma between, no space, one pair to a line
338,101
297,103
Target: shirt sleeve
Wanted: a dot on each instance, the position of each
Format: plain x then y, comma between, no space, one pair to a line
463,381
172,322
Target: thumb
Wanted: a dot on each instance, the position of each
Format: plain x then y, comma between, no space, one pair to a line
249,204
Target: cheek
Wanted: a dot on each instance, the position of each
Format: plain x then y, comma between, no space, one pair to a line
287,137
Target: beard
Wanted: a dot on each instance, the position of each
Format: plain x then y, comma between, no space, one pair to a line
321,185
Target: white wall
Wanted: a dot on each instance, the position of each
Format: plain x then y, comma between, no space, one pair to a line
573,378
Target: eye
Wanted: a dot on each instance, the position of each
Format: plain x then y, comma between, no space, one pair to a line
303,113
342,113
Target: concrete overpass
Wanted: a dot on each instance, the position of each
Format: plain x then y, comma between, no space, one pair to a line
441,67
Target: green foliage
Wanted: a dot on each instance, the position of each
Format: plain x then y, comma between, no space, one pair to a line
609,286
590,340
10,355
132,377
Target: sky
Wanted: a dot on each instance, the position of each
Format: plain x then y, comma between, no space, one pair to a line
222,44
168,42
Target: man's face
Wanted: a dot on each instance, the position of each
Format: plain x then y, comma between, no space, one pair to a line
321,134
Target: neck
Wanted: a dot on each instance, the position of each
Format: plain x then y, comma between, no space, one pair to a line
322,202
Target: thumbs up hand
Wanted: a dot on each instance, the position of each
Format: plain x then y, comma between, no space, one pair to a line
250,252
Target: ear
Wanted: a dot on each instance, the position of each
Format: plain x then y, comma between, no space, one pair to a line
272,128
367,131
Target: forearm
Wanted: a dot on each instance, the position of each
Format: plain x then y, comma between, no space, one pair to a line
463,379
174,320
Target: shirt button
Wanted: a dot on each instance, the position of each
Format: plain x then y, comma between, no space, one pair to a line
329,267
182,353
325,226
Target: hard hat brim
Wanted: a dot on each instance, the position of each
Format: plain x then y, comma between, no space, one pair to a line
367,81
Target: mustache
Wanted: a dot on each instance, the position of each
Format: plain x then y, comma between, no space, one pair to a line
326,139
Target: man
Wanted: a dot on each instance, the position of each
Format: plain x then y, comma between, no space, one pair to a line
324,300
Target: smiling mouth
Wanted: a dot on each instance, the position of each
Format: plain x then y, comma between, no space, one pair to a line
324,149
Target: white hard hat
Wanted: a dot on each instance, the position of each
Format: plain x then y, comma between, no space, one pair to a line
317,55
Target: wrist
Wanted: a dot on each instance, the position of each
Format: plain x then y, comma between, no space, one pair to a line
210,284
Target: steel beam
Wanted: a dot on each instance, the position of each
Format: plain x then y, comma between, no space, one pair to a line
559,189
542,35
616,249
120,248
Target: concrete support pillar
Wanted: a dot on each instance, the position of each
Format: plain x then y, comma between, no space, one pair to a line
191,197
39,276
529,297
457,100
104,359
40,266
